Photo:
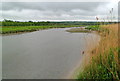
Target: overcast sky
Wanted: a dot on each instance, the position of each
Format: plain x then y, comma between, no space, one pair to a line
40,11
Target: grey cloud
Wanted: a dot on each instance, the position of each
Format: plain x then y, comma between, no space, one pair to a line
67,6
53,10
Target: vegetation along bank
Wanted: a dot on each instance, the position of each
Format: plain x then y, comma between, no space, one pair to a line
104,59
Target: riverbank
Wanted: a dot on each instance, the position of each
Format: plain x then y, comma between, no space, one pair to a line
22,29
102,62
81,29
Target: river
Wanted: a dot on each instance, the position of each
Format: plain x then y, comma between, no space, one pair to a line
44,54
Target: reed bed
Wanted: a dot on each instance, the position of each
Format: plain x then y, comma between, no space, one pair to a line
103,61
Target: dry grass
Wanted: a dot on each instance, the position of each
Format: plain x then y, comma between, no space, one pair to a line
103,60
109,39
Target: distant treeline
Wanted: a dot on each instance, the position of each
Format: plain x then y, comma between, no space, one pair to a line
32,23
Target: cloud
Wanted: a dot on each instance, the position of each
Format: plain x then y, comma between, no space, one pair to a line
55,10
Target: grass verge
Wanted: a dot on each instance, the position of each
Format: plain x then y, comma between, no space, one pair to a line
17,29
104,61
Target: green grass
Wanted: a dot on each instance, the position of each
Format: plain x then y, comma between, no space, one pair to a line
98,69
104,59
93,27
86,30
17,29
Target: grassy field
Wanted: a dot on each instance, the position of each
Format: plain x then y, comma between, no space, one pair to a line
17,29
104,59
